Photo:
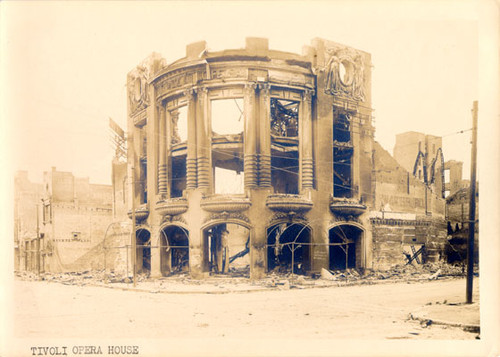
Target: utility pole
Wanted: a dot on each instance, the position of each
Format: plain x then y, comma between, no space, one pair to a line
133,238
38,239
472,205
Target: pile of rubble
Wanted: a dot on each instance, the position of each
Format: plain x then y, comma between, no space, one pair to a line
80,278
398,273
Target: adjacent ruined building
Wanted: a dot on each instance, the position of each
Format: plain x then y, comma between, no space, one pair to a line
27,198
422,156
457,212
73,216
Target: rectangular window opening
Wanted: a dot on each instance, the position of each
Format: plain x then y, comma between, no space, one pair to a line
342,156
228,173
446,175
179,121
285,172
284,118
227,116
143,163
178,179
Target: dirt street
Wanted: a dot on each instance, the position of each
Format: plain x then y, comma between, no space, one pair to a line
46,310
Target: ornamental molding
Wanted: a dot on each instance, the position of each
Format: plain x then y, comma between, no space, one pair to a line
225,73
172,207
291,217
288,203
345,73
227,216
137,87
141,213
344,219
178,79
173,219
225,204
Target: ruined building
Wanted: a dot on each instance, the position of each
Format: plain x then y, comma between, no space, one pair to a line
73,216
457,212
267,159
422,155
27,198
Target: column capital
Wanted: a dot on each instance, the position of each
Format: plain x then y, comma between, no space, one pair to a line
307,94
190,93
250,87
264,88
202,92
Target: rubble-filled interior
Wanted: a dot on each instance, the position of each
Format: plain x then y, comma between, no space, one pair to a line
344,247
143,170
226,248
343,151
288,244
174,250
284,149
143,250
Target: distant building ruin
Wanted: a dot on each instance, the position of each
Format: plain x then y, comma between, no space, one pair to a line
73,216
269,157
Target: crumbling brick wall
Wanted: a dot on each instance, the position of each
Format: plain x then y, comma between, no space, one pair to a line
392,238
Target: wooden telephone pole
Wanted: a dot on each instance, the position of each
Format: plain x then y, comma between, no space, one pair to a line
133,238
38,255
472,206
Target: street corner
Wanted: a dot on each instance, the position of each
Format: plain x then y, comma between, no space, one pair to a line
449,313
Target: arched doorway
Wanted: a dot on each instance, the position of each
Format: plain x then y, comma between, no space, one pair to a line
288,245
174,248
226,248
143,250
345,248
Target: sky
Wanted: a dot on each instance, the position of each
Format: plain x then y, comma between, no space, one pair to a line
65,66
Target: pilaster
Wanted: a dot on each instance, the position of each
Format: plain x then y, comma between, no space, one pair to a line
203,140
155,254
162,166
306,141
250,137
264,172
191,171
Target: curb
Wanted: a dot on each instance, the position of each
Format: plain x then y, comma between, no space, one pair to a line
467,327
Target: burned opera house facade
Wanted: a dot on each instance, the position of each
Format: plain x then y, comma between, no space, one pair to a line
255,156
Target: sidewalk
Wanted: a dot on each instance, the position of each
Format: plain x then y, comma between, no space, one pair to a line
458,314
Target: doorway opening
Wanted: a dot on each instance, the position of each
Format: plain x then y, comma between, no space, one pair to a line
174,248
226,248
288,246
143,251
345,247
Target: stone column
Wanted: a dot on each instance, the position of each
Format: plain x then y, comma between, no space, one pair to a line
264,136
191,176
171,117
250,137
162,166
306,144
258,235
155,253
203,140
